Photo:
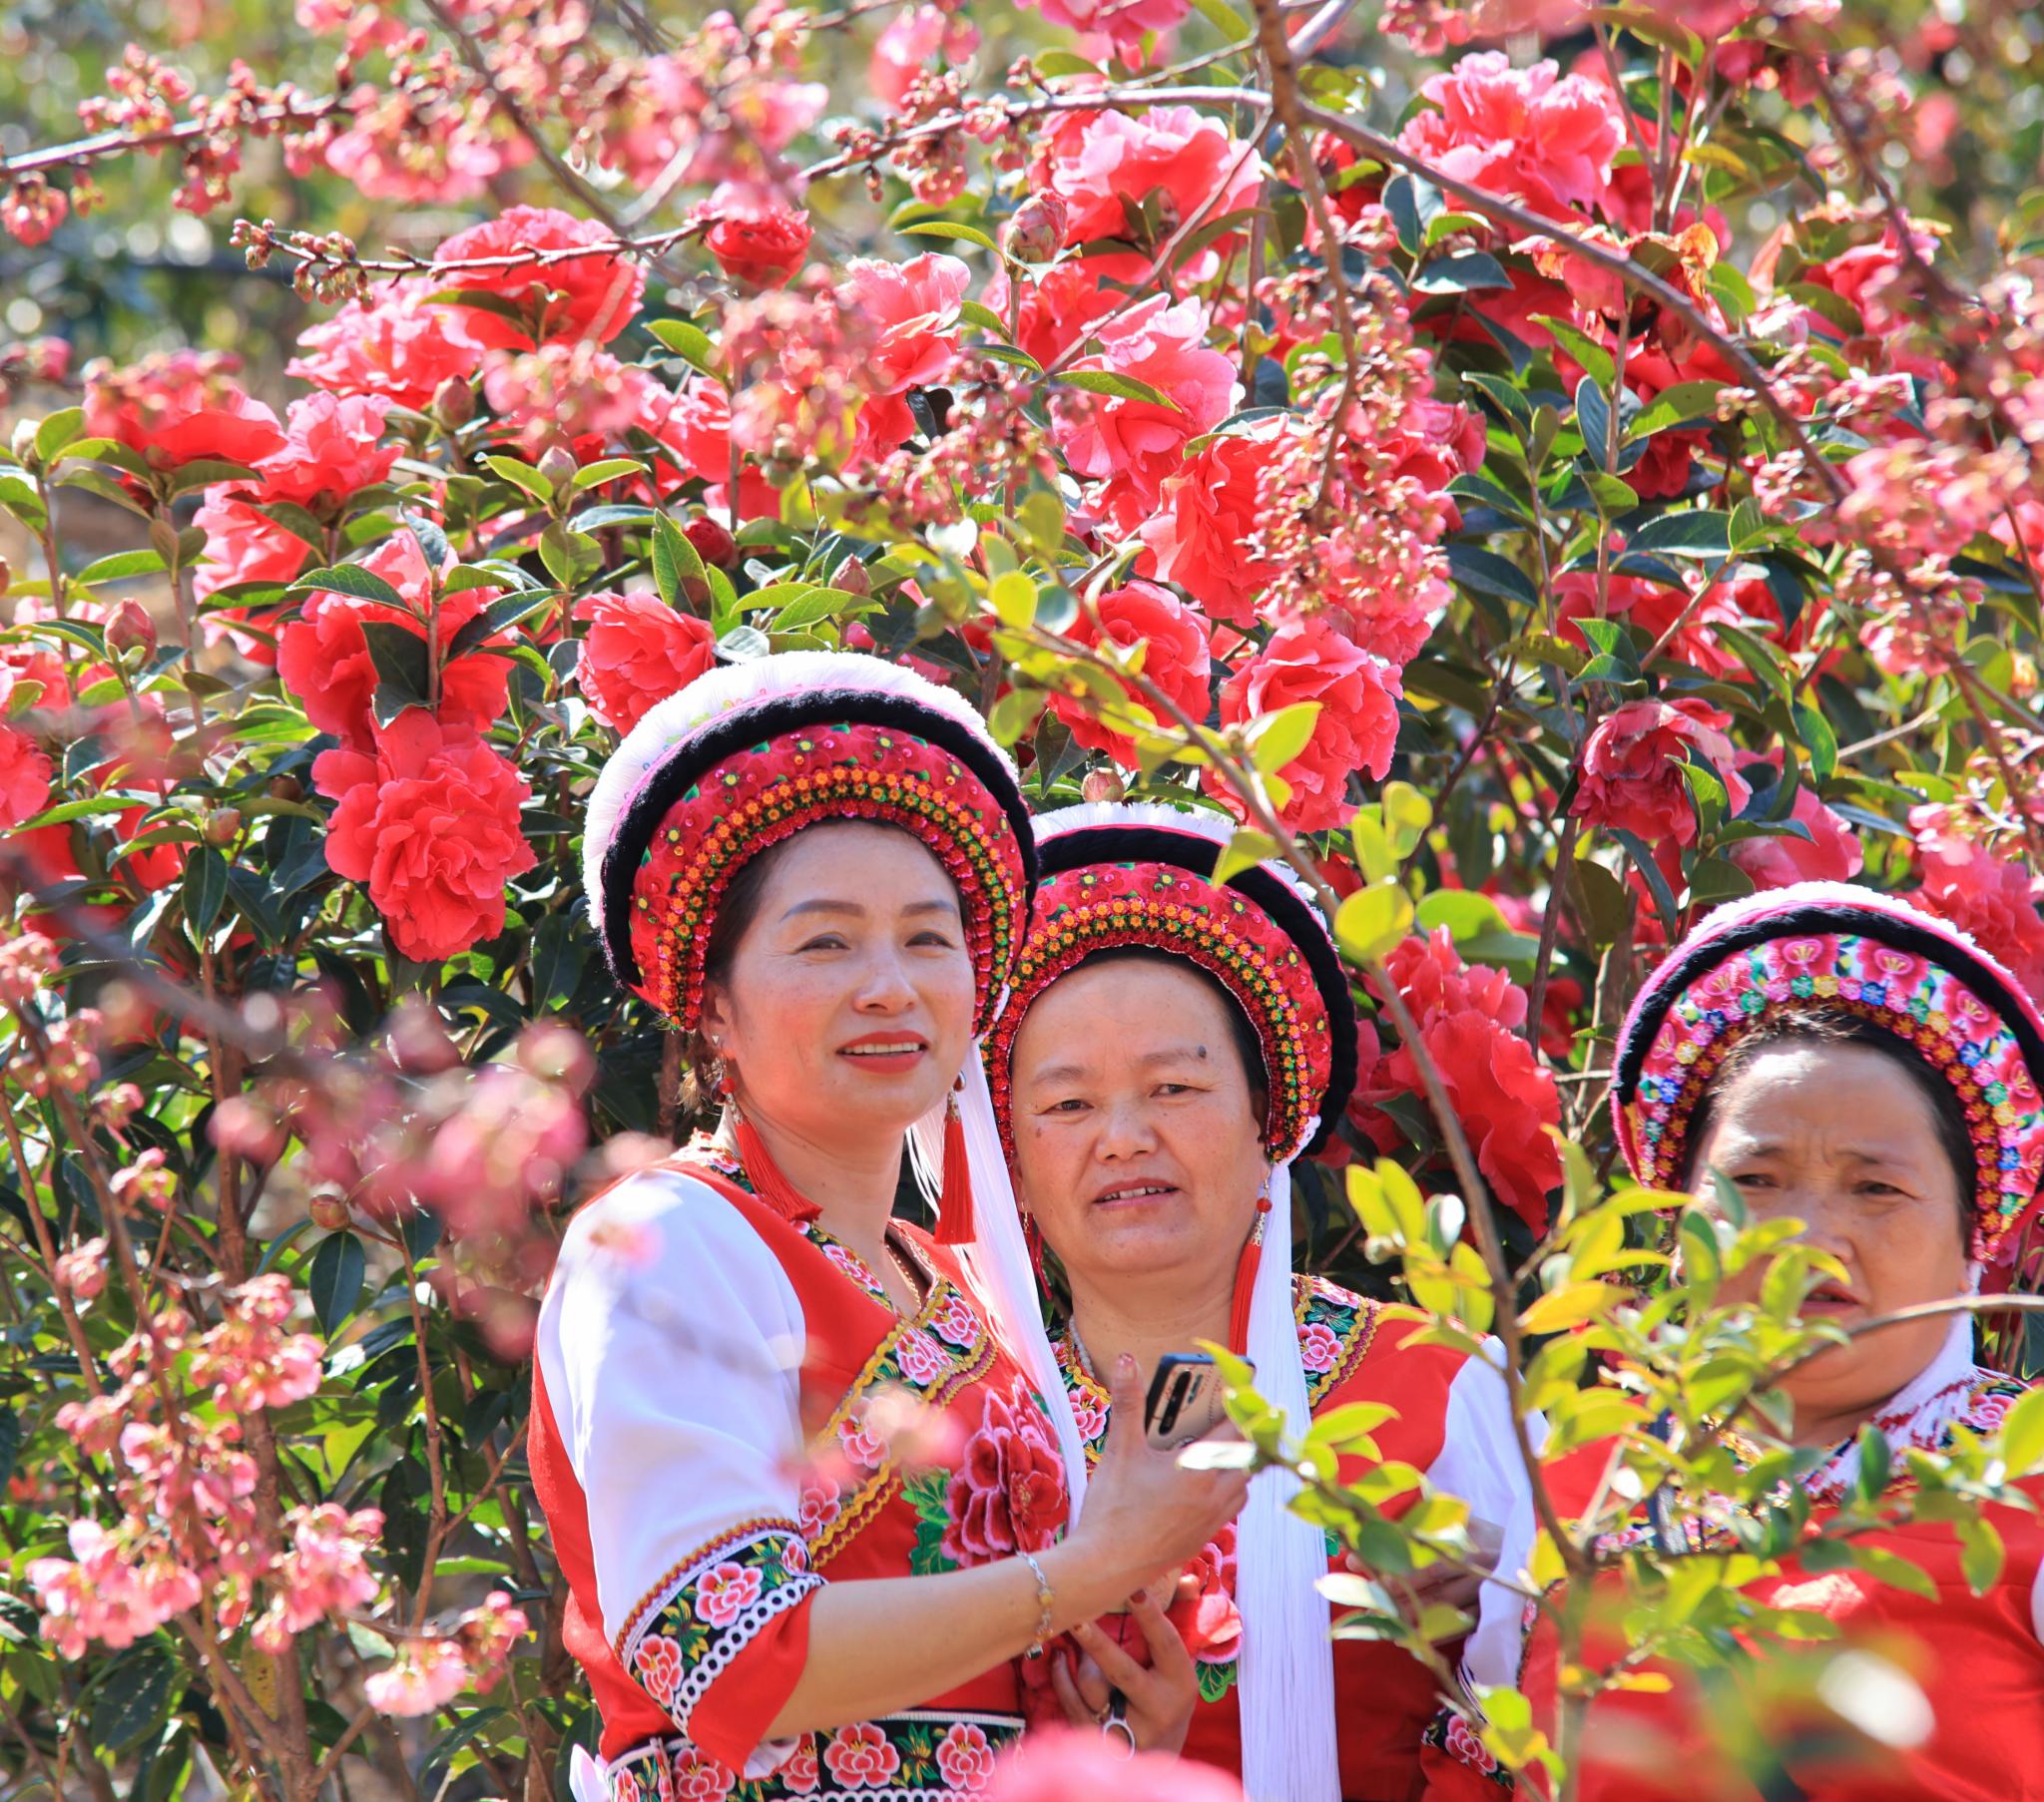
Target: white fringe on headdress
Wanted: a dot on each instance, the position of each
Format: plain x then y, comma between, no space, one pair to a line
732,688
1286,1683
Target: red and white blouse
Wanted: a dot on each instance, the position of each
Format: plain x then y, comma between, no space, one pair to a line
728,1413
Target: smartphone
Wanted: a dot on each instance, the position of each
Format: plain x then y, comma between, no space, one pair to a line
1185,1401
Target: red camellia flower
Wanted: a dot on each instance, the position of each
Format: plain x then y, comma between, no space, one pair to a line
25,772
324,656
1008,1492
1058,307
178,408
1632,779
1990,896
757,238
637,651
595,293
397,344
1830,854
911,309
1177,661
1098,160
1357,729
430,822
1206,513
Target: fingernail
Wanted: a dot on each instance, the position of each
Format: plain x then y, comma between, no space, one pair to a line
1084,1630
1124,1363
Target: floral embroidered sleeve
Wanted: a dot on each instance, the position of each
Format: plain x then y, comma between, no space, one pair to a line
669,1346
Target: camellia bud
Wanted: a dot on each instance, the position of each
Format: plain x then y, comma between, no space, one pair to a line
1036,229
286,788
712,543
853,578
224,826
131,629
330,1213
454,403
1101,785
558,466
24,442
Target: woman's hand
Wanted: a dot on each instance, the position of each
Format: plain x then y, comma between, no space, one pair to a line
1146,1515
1157,1699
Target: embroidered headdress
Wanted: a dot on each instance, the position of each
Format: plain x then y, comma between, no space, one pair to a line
743,758
748,754
1828,947
1141,876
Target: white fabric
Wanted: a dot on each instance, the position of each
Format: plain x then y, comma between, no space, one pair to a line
1289,1751
1480,1463
671,1344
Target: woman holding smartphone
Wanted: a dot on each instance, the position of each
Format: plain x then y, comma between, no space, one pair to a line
803,1464
1169,1046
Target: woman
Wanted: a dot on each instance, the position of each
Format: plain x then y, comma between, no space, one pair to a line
800,1475
1170,1046
1845,1060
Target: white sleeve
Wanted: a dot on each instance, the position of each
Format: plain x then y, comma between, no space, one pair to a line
670,1345
1480,1463
2037,1604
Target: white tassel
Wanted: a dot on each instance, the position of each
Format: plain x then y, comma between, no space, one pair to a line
1288,1747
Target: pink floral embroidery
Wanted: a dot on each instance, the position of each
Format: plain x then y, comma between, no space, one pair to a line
860,1447
700,1778
1090,1412
964,1757
1318,1347
859,1757
922,1358
850,1263
1008,1492
659,1664
725,1593
820,1507
801,1774
1467,1747
954,1322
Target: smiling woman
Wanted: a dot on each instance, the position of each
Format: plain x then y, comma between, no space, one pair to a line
806,1467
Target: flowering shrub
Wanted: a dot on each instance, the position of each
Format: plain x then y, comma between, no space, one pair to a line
1543,496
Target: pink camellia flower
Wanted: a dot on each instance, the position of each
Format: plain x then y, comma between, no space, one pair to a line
394,344
1176,661
1008,1491
323,1572
1990,896
331,450
1358,727
1126,22
911,309
430,823
759,238
242,545
564,392
637,651
1105,165
1133,445
917,41
424,155
324,656
1207,511
593,294
427,1675
178,408
25,775
1538,135
1632,776
82,1271
1830,854
1066,298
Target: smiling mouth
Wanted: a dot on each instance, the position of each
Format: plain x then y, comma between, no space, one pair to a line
1829,1298
1134,1191
900,1048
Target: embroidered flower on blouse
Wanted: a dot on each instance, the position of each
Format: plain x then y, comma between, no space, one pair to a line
659,1667
725,1593
965,1758
821,1505
954,1322
700,1778
1318,1347
801,1774
859,1757
1008,1492
922,1358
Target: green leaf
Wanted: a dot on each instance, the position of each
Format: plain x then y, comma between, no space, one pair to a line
1122,387
607,470
1818,740
58,430
676,562
1692,532
1980,1553
522,475
132,1699
975,312
1013,599
1275,739
1244,851
206,471
950,229
206,889
499,616
122,566
572,558
1657,883
1596,360
687,341
1373,921
1487,572
20,497
2022,1435
348,578
1233,27
1463,272
403,675
335,1279
1676,404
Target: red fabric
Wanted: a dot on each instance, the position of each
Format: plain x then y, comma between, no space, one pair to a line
1977,1659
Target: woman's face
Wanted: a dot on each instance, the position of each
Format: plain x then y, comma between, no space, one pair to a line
1136,1135
1840,1137
847,1007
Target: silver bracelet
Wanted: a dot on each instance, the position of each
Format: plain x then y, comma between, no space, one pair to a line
1046,1600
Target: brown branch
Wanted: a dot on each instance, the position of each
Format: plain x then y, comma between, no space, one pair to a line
115,143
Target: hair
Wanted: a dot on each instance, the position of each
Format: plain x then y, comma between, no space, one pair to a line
1835,1027
1242,1035
736,910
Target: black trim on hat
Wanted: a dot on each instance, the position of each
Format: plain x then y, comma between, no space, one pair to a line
1197,855
1818,917
696,756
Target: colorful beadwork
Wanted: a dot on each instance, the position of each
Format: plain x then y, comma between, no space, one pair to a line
1162,907
1964,1036
757,797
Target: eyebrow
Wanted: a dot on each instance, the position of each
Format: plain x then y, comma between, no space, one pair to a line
825,904
1774,1148
1173,1054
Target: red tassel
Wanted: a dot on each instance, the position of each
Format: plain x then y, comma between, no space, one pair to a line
954,1220
768,1185
1245,1283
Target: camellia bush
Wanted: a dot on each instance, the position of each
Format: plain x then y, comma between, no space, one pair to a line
1545,470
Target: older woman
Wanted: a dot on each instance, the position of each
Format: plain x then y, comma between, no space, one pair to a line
802,1463
1844,1061
1171,1045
